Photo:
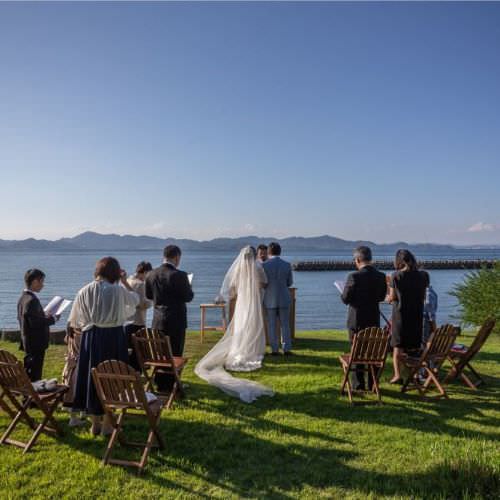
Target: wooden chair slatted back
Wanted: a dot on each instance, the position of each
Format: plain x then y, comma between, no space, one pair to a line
440,342
13,375
370,345
118,384
481,337
147,345
153,348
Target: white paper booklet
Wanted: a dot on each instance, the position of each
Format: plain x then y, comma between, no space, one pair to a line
190,278
339,285
56,306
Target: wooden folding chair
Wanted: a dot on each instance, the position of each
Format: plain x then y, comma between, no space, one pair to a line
154,354
4,405
121,392
18,389
369,348
460,360
428,364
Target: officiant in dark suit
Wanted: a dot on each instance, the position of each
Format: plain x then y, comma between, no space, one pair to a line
363,291
34,324
170,290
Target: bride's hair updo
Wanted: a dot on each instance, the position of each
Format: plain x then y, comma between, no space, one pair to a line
250,253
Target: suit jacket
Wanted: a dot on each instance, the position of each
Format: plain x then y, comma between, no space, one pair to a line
169,289
33,323
363,291
279,279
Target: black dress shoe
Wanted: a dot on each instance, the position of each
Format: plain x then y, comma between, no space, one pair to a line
288,353
275,353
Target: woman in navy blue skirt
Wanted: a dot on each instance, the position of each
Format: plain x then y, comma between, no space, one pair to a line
100,311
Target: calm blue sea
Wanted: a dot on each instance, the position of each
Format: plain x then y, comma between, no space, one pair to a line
318,302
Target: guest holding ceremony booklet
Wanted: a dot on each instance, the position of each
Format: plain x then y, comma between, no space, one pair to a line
34,323
362,292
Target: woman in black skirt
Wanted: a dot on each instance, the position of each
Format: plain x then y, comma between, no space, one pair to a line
99,311
407,293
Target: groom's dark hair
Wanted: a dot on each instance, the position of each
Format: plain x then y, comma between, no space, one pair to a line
274,248
171,252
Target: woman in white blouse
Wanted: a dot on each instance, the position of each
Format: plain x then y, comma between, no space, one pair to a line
100,310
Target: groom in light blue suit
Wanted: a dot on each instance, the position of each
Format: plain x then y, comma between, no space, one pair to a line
277,299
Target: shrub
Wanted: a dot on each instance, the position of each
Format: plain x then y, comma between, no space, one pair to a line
479,296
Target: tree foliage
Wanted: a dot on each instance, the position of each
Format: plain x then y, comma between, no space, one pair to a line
479,296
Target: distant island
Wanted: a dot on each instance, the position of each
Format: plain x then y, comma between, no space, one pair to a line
114,242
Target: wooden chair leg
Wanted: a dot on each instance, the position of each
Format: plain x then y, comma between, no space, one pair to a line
409,379
453,373
344,381
349,387
468,382
375,383
117,425
4,405
478,377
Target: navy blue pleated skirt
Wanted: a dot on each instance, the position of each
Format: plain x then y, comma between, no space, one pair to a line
98,345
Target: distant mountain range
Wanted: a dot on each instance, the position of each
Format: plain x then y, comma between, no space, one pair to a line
109,242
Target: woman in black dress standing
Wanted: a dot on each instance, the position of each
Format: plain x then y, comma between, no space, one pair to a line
407,294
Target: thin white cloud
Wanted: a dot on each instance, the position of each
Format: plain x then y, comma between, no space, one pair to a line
483,227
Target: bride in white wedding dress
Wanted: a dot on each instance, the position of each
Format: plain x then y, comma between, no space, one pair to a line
243,345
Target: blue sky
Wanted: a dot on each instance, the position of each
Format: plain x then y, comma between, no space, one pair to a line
377,121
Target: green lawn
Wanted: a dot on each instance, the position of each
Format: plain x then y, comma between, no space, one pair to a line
305,442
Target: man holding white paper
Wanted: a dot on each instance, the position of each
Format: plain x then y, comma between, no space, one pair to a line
170,289
34,324
362,292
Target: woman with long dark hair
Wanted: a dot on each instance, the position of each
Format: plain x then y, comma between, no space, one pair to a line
407,294
100,311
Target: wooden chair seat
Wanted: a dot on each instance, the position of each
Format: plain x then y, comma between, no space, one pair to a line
369,348
121,392
178,363
154,355
430,361
461,360
18,389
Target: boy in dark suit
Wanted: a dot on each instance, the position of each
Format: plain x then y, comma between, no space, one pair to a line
34,324
363,291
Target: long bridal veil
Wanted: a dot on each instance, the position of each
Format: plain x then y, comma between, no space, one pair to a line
243,345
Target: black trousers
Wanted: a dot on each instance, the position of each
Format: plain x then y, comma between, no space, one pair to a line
33,364
132,359
358,376
165,381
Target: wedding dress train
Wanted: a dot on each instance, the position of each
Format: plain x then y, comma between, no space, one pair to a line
243,345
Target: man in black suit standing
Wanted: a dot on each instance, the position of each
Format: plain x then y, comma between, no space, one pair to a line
169,289
363,291
34,324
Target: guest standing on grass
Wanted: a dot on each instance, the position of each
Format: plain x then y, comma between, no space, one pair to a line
170,290
363,291
34,324
277,299
430,310
100,310
407,294
138,321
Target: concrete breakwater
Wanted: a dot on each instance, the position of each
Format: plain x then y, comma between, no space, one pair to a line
387,265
